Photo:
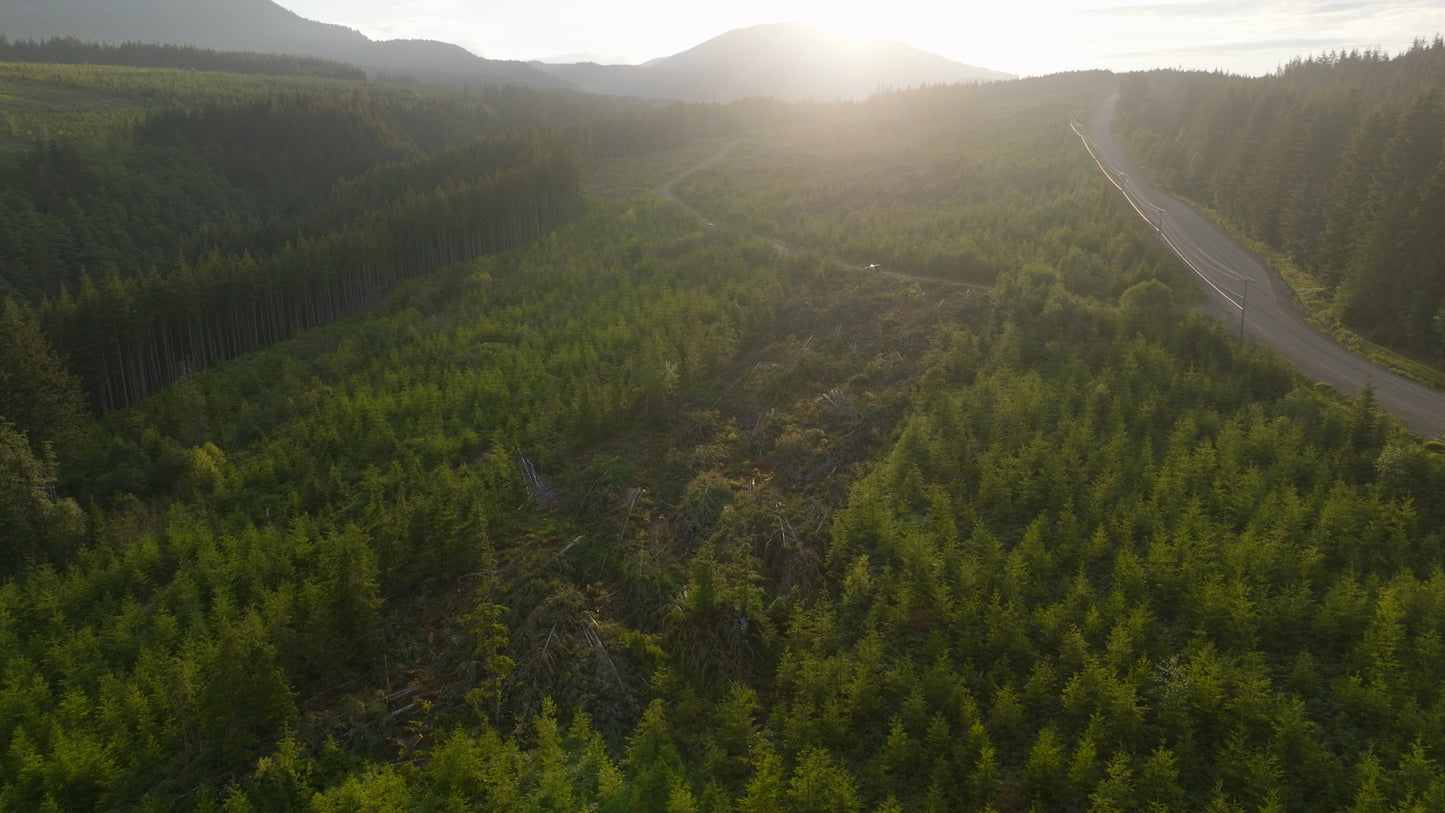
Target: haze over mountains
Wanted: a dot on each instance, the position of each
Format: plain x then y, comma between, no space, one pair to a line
254,25
788,61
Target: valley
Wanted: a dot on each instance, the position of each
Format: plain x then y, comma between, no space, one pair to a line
370,445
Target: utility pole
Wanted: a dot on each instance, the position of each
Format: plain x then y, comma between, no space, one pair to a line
1243,303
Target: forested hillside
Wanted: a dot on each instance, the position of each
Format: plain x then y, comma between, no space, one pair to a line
648,512
73,51
225,213
260,26
1336,160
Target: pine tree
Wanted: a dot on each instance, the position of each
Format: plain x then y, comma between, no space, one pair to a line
244,699
33,524
37,393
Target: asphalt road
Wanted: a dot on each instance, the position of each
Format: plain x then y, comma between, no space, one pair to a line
1236,280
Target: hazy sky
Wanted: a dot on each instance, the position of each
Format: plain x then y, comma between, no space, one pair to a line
1019,36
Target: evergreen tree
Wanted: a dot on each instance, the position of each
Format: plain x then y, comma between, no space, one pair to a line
37,394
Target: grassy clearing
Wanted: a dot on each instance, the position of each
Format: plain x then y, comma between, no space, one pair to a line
33,110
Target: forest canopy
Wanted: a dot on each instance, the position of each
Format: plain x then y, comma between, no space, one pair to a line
72,51
227,214
458,467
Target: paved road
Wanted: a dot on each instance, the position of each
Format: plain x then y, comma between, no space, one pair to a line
1235,280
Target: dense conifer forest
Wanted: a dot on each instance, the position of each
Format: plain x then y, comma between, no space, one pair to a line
72,51
372,448
226,213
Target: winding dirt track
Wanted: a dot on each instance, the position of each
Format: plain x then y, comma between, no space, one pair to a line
1236,281
783,248
666,189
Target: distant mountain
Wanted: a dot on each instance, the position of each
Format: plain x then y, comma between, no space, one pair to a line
787,60
254,25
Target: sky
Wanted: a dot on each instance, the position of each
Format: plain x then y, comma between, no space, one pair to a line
1023,37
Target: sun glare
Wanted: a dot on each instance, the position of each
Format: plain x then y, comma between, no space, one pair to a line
1007,36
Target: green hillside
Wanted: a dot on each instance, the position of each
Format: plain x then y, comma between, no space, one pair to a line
158,221
640,511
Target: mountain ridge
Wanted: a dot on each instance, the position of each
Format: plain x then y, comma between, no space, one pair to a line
791,61
788,61
256,25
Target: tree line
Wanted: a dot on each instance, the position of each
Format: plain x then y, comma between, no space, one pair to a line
205,229
73,51
128,338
